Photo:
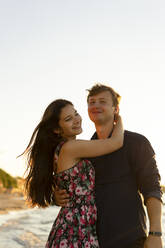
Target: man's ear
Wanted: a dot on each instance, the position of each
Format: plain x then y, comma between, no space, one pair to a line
116,110
116,113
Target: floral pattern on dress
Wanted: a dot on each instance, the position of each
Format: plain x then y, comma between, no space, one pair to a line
75,225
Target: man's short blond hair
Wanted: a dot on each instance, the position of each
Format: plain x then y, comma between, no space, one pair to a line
98,88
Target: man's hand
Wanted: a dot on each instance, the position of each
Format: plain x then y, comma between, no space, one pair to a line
154,210
61,197
153,242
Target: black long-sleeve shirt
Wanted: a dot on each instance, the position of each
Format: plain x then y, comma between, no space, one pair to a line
120,178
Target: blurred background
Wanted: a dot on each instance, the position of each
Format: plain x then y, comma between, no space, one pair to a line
58,49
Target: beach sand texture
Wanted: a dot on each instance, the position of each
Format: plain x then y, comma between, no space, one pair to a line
11,202
29,227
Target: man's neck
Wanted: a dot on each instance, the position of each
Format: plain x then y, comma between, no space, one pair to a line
103,131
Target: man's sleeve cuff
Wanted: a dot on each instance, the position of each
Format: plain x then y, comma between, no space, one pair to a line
155,194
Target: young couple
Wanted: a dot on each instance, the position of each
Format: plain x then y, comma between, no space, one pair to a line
98,183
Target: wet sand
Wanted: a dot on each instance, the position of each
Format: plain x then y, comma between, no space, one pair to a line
10,202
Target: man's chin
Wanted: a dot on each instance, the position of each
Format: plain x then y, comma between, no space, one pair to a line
96,120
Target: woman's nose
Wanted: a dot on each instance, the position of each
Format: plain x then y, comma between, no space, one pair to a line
77,119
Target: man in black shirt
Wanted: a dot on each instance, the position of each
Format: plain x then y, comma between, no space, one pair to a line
121,178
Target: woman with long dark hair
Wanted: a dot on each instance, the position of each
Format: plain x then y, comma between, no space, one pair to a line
55,157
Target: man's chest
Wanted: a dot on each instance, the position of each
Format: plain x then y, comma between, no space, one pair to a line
112,167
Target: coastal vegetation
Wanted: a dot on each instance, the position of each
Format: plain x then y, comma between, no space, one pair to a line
7,181
11,185
163,188
11,193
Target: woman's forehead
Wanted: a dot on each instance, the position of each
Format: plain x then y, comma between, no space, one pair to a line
67,110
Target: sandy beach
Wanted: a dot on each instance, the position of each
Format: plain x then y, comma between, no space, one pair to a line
29,227
10,202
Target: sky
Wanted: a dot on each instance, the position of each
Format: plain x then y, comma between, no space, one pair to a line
58,49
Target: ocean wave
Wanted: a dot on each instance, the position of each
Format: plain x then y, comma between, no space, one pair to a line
30,228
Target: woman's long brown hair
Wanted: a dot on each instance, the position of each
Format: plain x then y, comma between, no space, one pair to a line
39,182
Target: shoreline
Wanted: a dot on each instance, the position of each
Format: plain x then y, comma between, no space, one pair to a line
11,202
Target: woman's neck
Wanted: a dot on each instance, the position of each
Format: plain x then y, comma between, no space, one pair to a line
70,138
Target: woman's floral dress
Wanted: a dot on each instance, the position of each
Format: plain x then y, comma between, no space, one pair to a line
75,225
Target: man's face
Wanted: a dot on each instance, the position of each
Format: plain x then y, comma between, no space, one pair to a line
100,108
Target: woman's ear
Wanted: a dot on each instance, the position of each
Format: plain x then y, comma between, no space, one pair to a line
56,131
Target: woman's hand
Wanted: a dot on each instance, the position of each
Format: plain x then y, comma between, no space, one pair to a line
118,130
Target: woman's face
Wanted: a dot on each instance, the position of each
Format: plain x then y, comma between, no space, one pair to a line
70,122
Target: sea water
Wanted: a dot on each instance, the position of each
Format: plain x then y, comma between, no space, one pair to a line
30,228
26,228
